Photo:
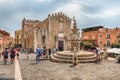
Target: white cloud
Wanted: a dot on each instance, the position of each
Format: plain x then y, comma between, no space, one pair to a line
71,9
105,13
49,1
2,2
75,8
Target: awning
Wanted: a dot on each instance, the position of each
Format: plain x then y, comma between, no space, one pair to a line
113,50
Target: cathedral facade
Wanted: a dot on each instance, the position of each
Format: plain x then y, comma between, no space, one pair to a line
53,32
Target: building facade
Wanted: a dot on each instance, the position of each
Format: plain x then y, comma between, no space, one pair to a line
52,32
18,38
100,36
5,39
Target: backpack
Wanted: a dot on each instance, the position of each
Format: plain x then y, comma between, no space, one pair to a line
5,53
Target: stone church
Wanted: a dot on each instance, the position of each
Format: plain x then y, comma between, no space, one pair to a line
54,31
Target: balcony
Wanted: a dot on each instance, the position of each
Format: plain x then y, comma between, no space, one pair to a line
107,37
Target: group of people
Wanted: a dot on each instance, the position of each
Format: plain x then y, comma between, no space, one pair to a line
44,53
9,51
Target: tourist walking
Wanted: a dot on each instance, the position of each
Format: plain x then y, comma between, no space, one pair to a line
44,53
5,55
17,53
27,53
118,58
38,54
49,52
0,53
22,50
12,55
54,50
98,57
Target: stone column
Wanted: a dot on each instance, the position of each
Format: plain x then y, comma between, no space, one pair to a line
79,45
75,57
35,40
56,43
66,45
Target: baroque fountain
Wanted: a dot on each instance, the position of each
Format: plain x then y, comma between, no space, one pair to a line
74,56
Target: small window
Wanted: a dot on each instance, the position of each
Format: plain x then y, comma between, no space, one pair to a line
100,42
118,36
108,36
108,43
100,35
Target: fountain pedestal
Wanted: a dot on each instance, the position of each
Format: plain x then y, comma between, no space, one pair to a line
75,57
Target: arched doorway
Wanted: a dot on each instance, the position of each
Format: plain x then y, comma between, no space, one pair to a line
61,45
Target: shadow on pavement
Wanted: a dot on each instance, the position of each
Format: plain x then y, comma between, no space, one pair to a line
9,63
77,78
6,79
32,63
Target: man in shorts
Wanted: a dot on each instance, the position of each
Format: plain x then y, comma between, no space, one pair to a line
5,55
12,55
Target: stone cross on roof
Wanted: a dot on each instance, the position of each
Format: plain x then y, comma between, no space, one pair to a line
74,22
74,19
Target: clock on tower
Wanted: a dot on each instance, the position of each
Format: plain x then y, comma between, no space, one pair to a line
61,19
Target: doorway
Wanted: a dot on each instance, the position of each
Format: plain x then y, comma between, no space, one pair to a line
61,45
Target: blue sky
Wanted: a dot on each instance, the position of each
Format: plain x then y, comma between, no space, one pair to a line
88,13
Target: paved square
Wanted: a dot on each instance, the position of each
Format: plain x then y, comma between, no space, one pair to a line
46,70
7,71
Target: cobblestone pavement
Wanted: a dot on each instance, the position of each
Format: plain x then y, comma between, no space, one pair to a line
7,71
46,70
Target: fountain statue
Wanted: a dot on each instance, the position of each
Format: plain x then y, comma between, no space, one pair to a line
75,41
75,38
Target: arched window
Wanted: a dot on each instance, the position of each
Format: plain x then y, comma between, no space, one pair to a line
43,38
17,39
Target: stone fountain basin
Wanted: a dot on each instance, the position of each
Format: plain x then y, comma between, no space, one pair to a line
67,56
80,53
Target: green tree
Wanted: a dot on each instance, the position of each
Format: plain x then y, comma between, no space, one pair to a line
115,45
86,45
